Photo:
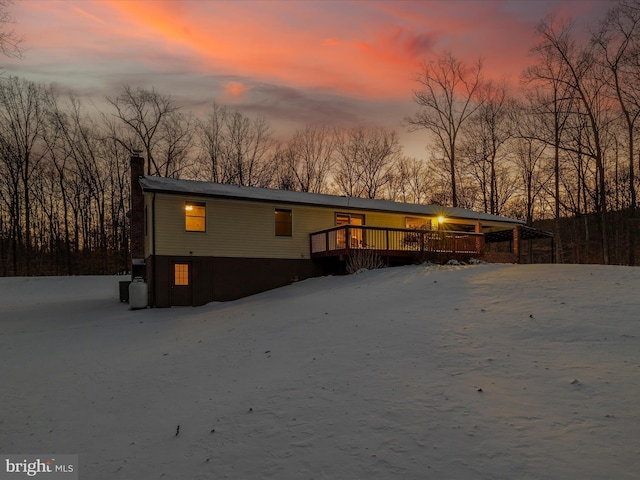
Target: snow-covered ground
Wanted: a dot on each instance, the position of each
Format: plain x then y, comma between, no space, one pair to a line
422,372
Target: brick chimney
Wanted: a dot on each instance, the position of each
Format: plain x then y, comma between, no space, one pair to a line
137,217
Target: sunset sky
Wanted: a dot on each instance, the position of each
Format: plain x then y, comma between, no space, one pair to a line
295,62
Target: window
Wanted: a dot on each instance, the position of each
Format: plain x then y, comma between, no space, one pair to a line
349,219
416,223
181,274
283,223
195,217
357,234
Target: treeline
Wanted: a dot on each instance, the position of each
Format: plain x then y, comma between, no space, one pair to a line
578,239
559,144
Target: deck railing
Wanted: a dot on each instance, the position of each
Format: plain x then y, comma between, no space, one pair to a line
393,241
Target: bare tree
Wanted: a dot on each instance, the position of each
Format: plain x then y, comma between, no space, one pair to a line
10,207
116,160
619,42
309,157
347,171
21,126
9,40
211,134
144,112
81,136
235,148
528,155
365,158
489,129
411,182
248,143
87,189
380,154
448,95
551,101
175,144
283,174
587,82
59,159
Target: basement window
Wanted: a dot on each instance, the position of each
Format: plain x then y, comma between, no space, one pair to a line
283,223
195,217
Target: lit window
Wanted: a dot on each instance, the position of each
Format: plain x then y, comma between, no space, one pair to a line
357,234
416,223
283,223
349,219
181,274
195,217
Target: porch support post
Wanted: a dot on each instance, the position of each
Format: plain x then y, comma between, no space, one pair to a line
347,234
516,244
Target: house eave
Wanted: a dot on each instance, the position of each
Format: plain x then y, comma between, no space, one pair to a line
201,189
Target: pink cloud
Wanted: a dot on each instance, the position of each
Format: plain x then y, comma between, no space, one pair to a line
362,49
259,46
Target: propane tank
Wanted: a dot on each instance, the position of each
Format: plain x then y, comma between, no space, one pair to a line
138,294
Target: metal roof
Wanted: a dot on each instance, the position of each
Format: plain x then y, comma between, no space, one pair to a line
152,184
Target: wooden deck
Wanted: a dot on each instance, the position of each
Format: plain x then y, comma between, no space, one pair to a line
346,239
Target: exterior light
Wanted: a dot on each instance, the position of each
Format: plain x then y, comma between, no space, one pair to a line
188,208
441,219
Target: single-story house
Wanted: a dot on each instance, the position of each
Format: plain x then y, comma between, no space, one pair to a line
196,242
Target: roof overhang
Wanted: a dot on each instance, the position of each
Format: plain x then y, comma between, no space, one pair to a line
195,188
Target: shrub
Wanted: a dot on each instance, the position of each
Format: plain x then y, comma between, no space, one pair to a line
363,260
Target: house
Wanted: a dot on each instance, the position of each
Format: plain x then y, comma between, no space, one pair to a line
196,242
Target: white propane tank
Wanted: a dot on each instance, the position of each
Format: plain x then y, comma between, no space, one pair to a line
138,293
